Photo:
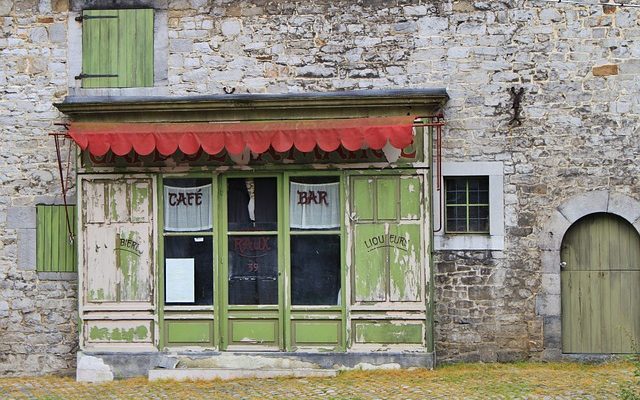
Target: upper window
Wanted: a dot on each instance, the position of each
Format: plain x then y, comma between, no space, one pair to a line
117,48
467,204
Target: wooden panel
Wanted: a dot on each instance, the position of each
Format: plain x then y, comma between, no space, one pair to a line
600,286
387,198
254,331
388,332
100,263
118,202
134,261
93,201
135,63
316,332
54,252
100,48
410,198
189,332
140,200
405,262
370,262
118,331
362,192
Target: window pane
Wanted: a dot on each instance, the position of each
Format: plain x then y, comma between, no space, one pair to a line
314,203
187,205
252,204
479,218
456,219
315,270
478,191
456,191
253,270
189,263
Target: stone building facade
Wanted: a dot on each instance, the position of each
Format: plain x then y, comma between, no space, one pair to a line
575,151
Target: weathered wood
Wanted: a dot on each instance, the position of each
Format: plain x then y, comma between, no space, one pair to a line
601,286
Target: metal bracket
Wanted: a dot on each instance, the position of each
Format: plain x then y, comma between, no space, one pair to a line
82,76
81,18
517,107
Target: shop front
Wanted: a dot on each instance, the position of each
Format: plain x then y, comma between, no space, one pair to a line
279,226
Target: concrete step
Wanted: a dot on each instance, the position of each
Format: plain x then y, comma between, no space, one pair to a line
181,374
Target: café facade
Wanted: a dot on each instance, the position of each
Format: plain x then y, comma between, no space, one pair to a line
293,228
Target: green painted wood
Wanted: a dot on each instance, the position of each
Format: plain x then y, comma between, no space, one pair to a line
600,286
388,332
405,263
370,266
387,198
54,252
254,331
120,43
188,332
362,194
410,198
317,332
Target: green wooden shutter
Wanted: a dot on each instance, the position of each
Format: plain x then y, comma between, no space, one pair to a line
117,48
54,252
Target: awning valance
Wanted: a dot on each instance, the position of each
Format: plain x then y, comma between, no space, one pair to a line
212,138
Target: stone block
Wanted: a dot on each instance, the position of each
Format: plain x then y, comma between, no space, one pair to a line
624,206
27,249
585,204
231,27
548,305
57,33
550,283
605,70
552,331
21,217
5,7
550,261
92,369
553,231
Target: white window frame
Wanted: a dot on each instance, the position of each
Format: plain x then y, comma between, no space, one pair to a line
494,240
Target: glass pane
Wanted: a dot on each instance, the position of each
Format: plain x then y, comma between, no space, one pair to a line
187,205
315,270
188,270
252,204
314,203
253,270
478,191
456,191
456,219
479,218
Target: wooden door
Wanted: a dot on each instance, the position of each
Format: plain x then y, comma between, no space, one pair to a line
600,286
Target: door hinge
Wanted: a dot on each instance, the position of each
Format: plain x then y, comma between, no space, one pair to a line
81,18
82,76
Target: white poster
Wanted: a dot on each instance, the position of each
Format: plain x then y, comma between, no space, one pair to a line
187,209
314,206
180,279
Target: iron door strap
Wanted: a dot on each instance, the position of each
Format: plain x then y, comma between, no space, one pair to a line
81,18
82,76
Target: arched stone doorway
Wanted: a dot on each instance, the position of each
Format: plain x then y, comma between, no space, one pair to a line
600,285
549,298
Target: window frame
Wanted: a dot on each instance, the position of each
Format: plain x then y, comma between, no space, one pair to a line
494,240
466,205
160,56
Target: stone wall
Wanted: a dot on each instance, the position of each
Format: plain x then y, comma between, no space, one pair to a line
580,118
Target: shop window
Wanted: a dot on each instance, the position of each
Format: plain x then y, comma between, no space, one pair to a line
54,251
188,241
467,204
314,221
252,206
117,48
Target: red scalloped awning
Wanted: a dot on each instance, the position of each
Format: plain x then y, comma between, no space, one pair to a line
167,138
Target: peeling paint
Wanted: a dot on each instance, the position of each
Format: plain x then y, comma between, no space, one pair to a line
129,335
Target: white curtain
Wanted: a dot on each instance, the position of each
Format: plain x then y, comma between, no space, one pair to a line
314,206
187,209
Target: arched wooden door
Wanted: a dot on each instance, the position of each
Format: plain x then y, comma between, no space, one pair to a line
600,286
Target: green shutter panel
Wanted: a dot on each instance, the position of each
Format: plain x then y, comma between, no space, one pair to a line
117,48
54,252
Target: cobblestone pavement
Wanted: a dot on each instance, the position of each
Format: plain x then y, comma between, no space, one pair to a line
468,381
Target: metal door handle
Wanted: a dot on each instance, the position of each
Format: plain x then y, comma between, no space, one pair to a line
563,265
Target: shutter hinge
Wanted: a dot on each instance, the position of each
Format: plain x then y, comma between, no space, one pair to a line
81,18
82,76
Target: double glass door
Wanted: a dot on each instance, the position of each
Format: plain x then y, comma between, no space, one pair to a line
254,262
